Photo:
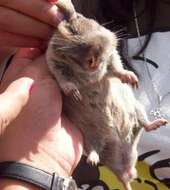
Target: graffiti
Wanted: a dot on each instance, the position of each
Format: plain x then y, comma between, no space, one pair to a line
95,185
159,165
147,154
100,178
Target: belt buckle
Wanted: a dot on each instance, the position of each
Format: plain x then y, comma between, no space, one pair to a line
69,184
63,183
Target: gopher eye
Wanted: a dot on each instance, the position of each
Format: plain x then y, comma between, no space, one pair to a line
92,63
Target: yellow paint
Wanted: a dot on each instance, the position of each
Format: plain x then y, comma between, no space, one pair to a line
143,173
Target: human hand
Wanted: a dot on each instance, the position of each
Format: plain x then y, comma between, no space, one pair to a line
13,100
27,23
41,135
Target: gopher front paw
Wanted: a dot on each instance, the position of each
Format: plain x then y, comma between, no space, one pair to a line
70,89
155,124
93,158
129,77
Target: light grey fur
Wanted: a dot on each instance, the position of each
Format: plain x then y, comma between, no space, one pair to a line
97,102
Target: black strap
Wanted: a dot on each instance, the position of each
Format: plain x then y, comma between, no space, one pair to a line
33,175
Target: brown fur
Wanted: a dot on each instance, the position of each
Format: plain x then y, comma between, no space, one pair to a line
96,100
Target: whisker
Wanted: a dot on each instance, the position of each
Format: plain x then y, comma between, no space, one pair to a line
120,30
121,33
107,23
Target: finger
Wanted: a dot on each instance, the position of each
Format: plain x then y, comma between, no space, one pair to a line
41,10
16,40
22,59
18,23
14,99
28,53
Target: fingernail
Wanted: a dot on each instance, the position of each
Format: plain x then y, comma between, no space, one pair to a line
31,88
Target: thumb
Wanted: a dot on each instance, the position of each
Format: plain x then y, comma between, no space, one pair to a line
14,99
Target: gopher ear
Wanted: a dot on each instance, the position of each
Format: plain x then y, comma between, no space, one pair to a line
67,7
66,30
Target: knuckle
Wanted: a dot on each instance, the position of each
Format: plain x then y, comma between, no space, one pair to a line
3,123
47,8
4,16
5,2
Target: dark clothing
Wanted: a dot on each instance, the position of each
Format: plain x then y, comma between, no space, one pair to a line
153,15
